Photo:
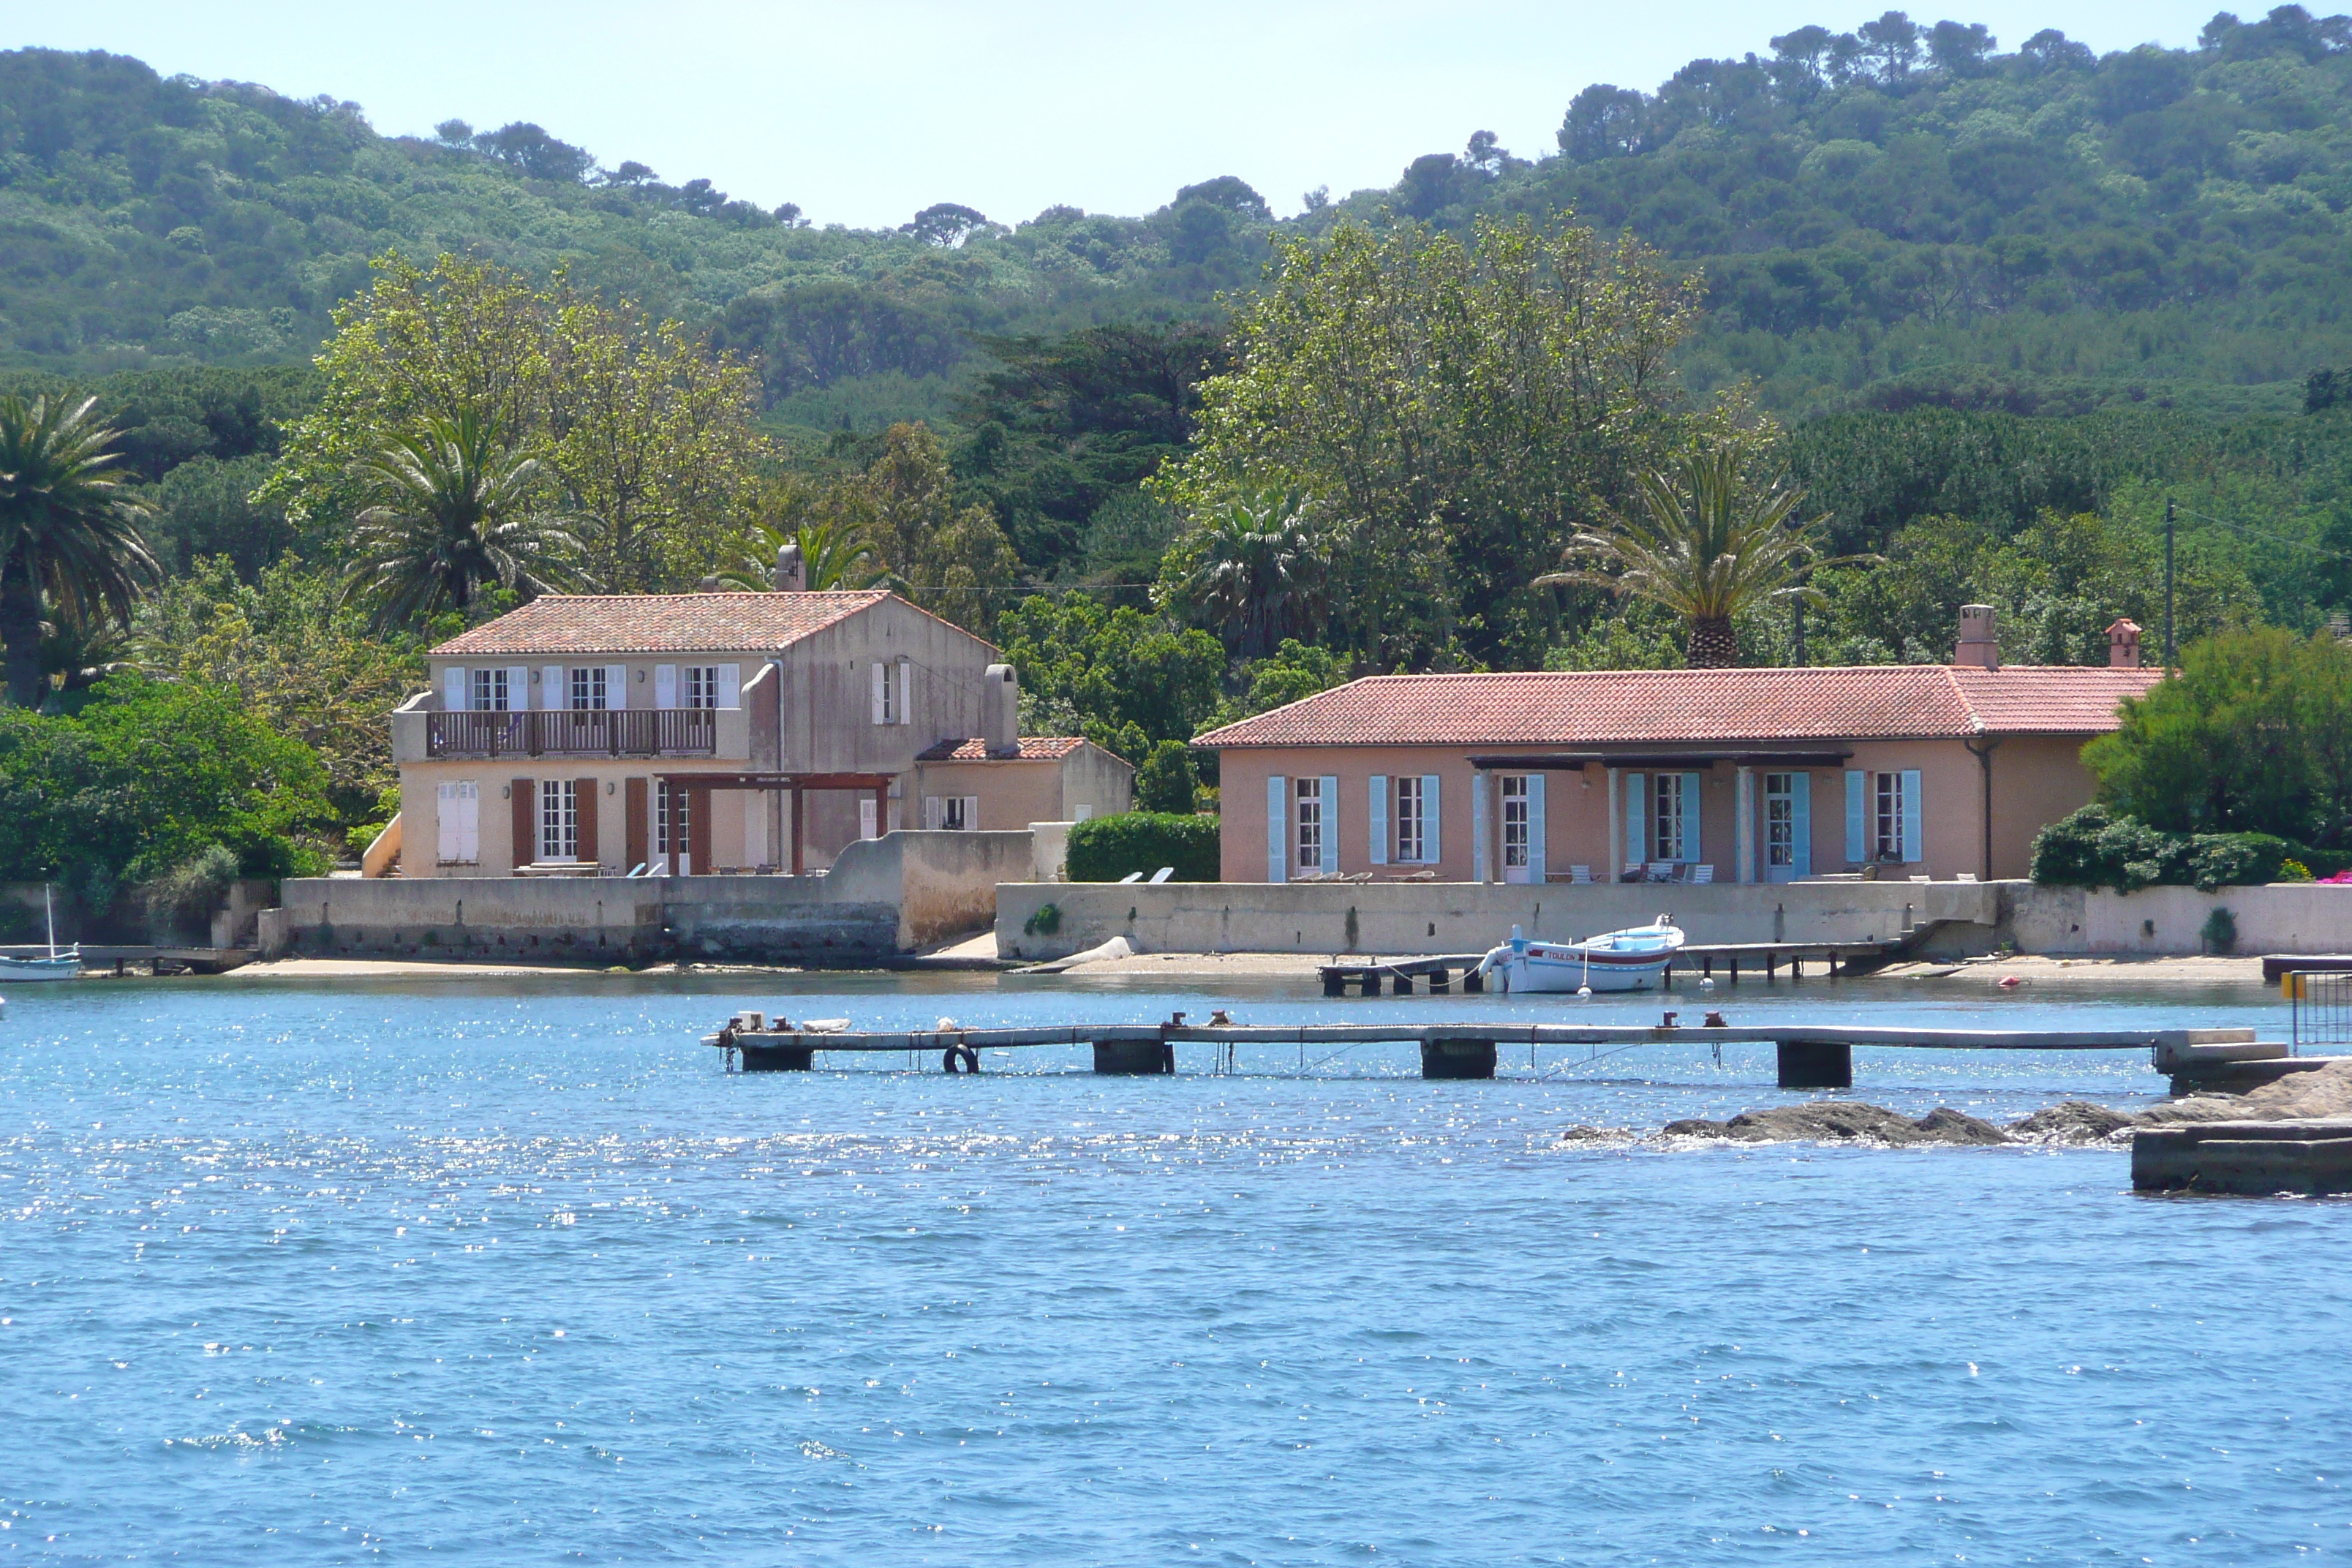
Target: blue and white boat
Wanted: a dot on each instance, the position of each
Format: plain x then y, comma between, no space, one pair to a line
1627,960
66,965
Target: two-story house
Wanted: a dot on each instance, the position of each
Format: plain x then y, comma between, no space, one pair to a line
678,733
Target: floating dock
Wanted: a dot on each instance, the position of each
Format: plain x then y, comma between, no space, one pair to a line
1811,1056
1400,975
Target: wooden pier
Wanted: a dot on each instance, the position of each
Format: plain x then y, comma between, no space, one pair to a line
1811,1056
1400,975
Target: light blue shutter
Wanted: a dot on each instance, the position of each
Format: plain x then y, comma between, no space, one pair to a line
1856,786
1431,817
1478,830
1379,819
1637,822
1801,815
1691,815
1911,816
1277,829
1330,824
1535,827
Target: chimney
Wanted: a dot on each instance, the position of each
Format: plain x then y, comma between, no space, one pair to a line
2122,645
1976,645
1000,711
791,571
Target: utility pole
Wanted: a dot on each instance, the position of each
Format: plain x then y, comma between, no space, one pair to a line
2167,584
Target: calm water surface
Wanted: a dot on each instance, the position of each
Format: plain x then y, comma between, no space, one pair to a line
512,1274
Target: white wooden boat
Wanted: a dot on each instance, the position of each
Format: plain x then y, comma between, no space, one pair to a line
1627,960
66,965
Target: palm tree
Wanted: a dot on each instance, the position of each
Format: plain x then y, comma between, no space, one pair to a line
835,555
1261,578
68,531
1709,544
456,511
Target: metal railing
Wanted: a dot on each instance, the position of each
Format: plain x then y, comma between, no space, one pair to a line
2323,1007
614,732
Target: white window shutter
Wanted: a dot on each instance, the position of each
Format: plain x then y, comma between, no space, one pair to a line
1431,853
1277,828
1330,824
445,802
730,686
934,810
881,675
904,671
1478,830
518,688
971,813
1379,819
869,821
616,685
456,698
1911,823
551,692
1694,808
469,821
1857,785
1535,827
665,686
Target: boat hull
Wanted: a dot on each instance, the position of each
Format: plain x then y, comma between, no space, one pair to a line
20,970
1541,970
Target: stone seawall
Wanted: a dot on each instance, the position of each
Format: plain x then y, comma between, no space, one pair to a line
883,897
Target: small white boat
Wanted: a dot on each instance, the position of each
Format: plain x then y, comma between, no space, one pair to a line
66,965
1627,960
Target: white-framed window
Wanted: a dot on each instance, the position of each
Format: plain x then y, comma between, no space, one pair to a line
1410,822
1308,818
559,820
893,686
460,811
1888,841
663,798
1518,843
701,686
962,813
588,690
1779,820
1670,819
490,693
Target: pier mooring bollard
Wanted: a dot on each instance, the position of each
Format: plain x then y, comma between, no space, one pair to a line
1134,1059
1815,1063
776,1059
1457,1058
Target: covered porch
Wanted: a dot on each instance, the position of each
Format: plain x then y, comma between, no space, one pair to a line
1667,816
683,814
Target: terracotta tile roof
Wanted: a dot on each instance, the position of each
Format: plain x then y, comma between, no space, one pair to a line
1033,749
658,622
1637,706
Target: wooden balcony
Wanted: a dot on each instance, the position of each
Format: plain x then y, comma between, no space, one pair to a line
633,733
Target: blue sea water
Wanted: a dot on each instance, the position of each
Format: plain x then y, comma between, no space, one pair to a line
511,1273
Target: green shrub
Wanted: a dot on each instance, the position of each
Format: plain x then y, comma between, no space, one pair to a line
1108,847
2295,871
2236,860
2221,930
1045,921
2095,848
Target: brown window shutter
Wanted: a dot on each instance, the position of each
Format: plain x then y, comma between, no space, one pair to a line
525,800
697,832
640,820
586,792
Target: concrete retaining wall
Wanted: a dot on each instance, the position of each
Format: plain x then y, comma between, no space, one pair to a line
2282,917
1468,916
892,895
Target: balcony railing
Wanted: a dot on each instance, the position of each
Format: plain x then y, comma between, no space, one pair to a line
633,733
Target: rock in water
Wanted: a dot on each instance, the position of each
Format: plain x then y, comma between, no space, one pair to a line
2070,1122
1843,1120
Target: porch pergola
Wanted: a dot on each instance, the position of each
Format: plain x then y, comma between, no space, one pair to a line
1746,759
699,787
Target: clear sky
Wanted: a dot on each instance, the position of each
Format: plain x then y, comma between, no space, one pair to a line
863,110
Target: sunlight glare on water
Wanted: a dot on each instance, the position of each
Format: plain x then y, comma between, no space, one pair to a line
512,1273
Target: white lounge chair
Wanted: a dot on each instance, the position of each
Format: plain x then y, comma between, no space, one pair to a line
1163,874
1701,876
1661,871
1580,875
1130,876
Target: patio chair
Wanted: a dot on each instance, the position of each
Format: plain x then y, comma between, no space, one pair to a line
1163,874
1661,871
1967,876
1701,876
1633,872
1131,877
1580,875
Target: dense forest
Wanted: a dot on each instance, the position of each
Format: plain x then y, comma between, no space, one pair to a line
1995,312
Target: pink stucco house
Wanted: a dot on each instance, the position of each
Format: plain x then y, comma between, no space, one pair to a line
1733,775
